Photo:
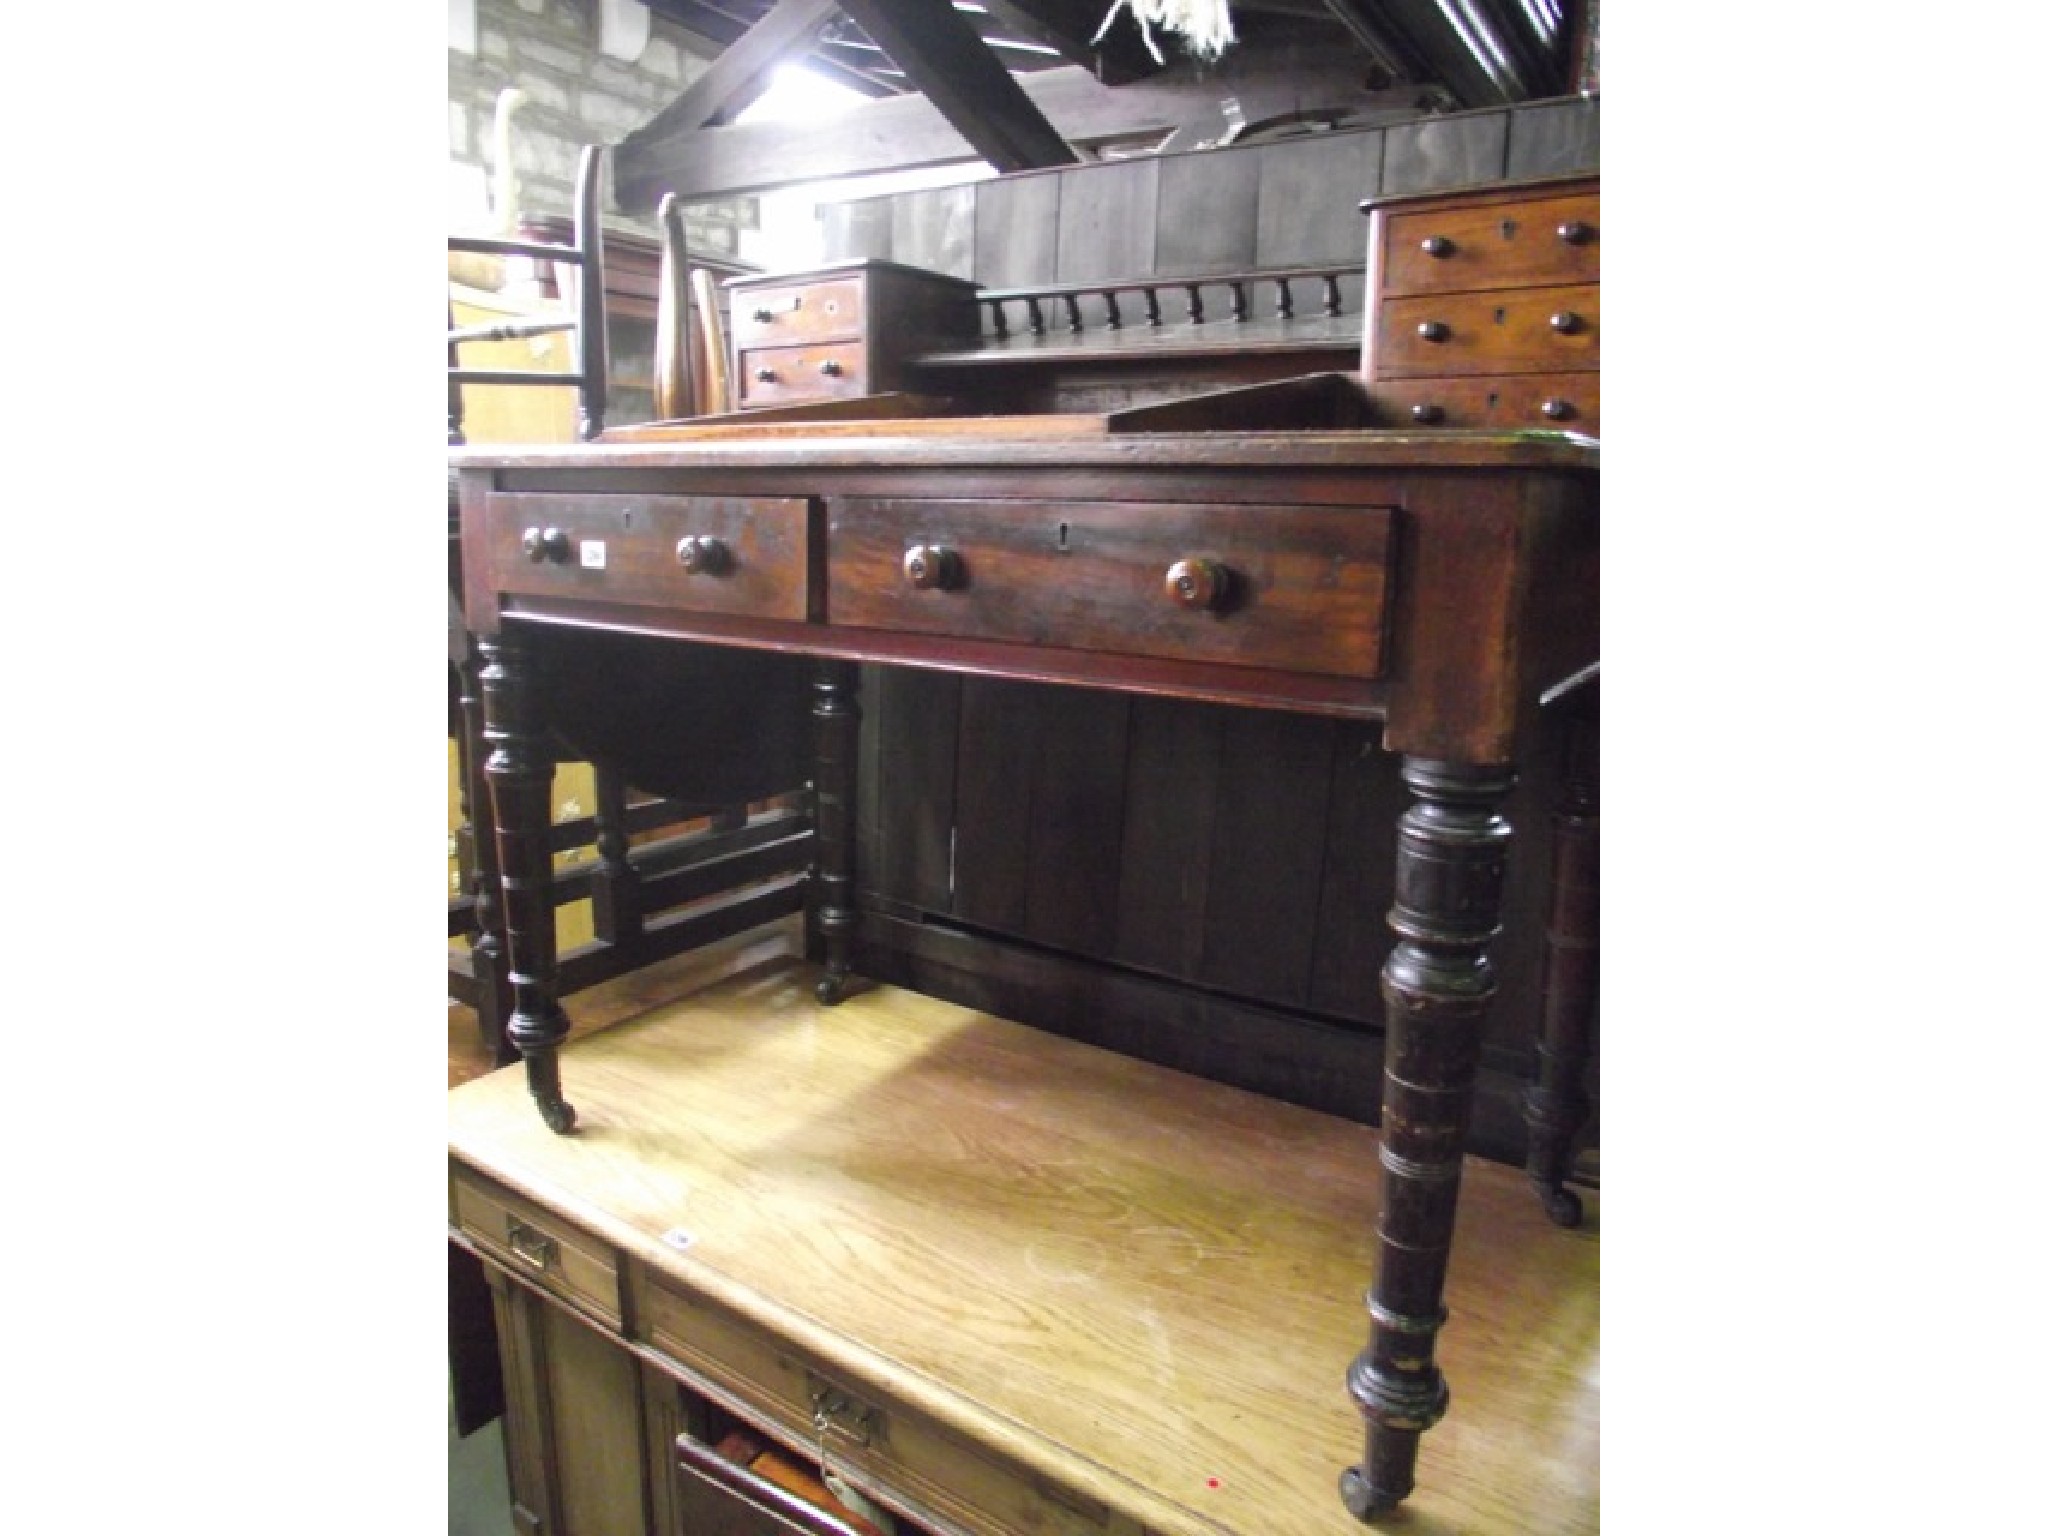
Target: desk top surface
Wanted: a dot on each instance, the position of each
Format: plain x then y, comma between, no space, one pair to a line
1143,1285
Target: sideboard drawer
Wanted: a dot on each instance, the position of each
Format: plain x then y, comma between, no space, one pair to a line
1558,402
535,1243
1304,589
744,555
792,375
1538,241
1524,331
892,1449
783,314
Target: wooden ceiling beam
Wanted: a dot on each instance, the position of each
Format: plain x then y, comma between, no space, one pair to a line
739,74
946,61
908,132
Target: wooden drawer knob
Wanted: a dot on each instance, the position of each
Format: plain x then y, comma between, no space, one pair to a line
931,567
831,367
1566,323
545,544
1438,246
1433,330
764,375
1198,584
1427,414
1558,410
1575,232
702,555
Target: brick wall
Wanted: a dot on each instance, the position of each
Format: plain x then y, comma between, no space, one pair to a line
576,94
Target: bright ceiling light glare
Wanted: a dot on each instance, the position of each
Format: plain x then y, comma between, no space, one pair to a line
797,95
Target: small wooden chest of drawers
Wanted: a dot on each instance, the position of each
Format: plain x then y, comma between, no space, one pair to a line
842,331
1485,307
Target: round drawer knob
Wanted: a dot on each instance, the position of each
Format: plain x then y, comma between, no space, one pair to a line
1558,410
831,367
1575,232
764,314
702,555
1427,414
1438,246
764,375
1433,330
1198,584
931,567
1566,323
544,544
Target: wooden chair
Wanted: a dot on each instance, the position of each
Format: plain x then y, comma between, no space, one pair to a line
700,826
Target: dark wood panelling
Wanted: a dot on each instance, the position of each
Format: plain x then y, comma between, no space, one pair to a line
1259,921
1309,192
1107,217
1017,231
998,725
1076,827
1167,836
1443,152
1352,937
1219,194
1554,138
934,229
860,230
910,749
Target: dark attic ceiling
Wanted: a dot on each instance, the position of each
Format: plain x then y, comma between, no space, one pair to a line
1026,85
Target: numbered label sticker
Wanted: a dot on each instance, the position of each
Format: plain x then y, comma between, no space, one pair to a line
593,554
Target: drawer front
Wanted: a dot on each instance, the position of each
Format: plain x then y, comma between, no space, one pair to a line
1298,589
1537,330
793,375
538,1245
782,314
1542,242
745,555
1510,403
889,1449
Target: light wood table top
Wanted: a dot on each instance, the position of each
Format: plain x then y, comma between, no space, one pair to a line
1144,1285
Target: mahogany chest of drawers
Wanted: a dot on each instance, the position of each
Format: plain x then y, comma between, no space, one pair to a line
841,331
1484,307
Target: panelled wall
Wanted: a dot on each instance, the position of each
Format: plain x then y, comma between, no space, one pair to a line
1199,885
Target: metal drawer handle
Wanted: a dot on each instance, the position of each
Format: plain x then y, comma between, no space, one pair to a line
701,554
1199,584
773,1500
530,1244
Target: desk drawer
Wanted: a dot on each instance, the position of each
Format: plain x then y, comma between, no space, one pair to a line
746,555
1541,242
792,375
1531,331
778,315
888,1448
1300,589
534,1243
1557,402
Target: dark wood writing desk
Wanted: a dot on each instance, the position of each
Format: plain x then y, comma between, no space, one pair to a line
1438,584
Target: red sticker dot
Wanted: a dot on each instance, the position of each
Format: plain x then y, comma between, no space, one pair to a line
1215,1482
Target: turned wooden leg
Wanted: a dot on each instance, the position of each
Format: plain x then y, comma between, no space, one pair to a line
835,707
1556,1105
1450,861
520,771
479,861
